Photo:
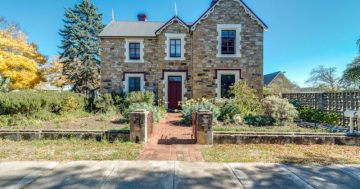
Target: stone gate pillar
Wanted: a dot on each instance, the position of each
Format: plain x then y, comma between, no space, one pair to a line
140,125
204,127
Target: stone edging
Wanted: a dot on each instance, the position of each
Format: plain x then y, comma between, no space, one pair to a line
111,135
285,138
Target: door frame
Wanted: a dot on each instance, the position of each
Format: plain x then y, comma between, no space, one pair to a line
166,85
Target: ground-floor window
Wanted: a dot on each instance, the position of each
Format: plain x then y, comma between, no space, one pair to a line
134,84
227,80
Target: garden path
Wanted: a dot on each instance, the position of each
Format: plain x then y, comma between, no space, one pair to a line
171,140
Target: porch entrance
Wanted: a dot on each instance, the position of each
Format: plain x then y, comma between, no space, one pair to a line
174,92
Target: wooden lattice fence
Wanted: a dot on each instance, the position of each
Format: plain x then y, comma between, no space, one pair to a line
328,102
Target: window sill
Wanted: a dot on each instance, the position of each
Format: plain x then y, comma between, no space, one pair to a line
180,58
228,56
134,61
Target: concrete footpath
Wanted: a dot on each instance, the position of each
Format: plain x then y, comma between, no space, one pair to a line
174,174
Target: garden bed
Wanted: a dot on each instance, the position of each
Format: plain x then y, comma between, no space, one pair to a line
287,128
67,150
89,122
270,153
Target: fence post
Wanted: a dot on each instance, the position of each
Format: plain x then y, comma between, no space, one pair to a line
139,126
204,127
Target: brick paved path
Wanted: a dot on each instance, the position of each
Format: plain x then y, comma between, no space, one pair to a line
171,141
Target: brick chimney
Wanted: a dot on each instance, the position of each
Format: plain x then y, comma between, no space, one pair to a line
142,17
213,2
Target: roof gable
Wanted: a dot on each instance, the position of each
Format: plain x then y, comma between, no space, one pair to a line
173,20
247,10
269,78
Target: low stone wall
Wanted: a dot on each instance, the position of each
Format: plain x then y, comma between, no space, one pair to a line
16,135
286,138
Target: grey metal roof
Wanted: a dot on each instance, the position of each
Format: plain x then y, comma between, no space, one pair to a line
131,29
270,77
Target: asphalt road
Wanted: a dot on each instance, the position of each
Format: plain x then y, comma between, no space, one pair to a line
175,175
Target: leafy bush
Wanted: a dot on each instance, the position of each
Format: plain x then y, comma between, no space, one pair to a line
144,106
31,102
228,112
141,97
245,98
105,103
191,106
278,108
260,120
314,115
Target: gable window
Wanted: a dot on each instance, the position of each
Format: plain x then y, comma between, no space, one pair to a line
228,39
175,48
134,51
134,84
227,80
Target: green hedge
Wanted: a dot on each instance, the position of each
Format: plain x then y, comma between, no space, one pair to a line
31,102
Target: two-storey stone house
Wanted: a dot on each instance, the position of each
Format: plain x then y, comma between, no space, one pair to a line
178,61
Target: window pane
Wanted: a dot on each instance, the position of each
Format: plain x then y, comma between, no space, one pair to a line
226,82
134,84
228,41
175,48
134,51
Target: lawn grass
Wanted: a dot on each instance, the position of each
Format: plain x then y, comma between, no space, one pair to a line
291,153
67,150
247,128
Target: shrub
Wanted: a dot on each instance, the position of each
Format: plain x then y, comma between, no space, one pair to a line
315,115
31,102
105,103
141,97
245,98
144,106
191,106
260,120
279,109
228,112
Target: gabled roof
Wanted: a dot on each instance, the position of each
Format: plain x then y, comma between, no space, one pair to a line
270,78
131,29
171,21
247,9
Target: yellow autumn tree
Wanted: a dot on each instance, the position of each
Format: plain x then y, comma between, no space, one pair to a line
54,73
19,61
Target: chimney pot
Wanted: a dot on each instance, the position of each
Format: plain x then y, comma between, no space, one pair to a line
142,17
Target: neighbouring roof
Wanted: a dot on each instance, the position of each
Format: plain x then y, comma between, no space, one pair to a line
150,29
270,77
131,29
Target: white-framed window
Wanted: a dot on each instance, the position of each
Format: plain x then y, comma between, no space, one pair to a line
228,40
134,82
224,80
134,50
175,46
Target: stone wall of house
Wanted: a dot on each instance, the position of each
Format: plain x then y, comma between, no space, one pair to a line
200,55
113,64
174,65
205,49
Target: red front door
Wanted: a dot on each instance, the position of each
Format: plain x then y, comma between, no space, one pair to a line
174,92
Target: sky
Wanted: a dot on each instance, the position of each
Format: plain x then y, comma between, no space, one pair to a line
302,35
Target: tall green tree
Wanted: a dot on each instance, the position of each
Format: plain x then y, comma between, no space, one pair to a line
351,76
81,48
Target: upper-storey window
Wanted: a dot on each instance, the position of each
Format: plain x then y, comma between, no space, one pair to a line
228,38
175,48
134,49
229,41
